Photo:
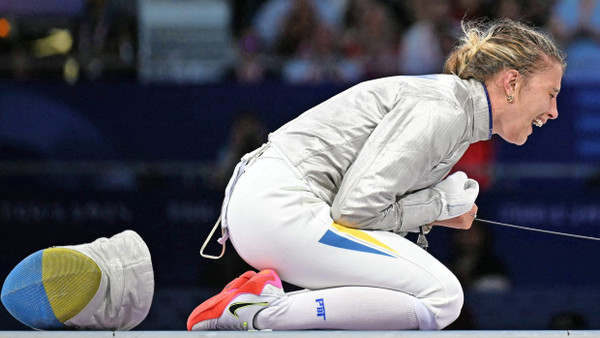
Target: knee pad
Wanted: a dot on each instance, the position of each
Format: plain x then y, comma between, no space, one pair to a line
105,285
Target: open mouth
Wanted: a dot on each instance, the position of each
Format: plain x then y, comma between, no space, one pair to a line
538,122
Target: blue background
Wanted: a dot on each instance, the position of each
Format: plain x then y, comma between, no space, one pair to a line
128,121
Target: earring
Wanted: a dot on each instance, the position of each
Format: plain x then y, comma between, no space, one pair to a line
510,98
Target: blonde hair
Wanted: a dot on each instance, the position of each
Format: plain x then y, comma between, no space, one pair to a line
486,49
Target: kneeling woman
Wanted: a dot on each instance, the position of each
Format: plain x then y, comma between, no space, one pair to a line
325,203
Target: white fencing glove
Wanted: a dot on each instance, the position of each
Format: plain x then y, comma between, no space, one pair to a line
458,194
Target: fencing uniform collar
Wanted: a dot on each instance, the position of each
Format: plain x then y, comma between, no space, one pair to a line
482,112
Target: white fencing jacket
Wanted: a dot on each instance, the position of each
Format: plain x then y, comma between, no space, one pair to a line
374,151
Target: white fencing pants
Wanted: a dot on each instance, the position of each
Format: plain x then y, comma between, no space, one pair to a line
275,221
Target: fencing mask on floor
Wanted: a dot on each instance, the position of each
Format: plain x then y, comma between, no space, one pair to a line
104,285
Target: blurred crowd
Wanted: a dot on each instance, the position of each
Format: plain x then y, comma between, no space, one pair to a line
298,41
68,40
313,41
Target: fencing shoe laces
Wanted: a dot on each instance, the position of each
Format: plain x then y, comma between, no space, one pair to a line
239,302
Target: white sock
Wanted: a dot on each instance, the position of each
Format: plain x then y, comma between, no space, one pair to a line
346,308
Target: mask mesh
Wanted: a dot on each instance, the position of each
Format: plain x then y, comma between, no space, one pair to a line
71,280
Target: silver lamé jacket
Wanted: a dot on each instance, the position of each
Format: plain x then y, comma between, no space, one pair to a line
374,151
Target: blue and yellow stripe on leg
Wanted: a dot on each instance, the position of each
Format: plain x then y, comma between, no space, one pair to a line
356,240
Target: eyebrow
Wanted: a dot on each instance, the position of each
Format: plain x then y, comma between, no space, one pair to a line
556,90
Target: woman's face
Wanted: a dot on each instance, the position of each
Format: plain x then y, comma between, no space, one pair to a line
534,104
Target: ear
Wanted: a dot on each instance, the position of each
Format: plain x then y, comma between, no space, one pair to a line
510,80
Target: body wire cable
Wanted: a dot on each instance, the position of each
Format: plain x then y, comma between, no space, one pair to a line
538,230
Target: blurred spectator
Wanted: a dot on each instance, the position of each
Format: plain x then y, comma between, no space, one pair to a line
247,133
429,39
321,61
537,11
474,262
301,22
251,64
478,162
273,15
511,9
371,37
242,13
576,25
108,38
352,22
469,9
534,11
